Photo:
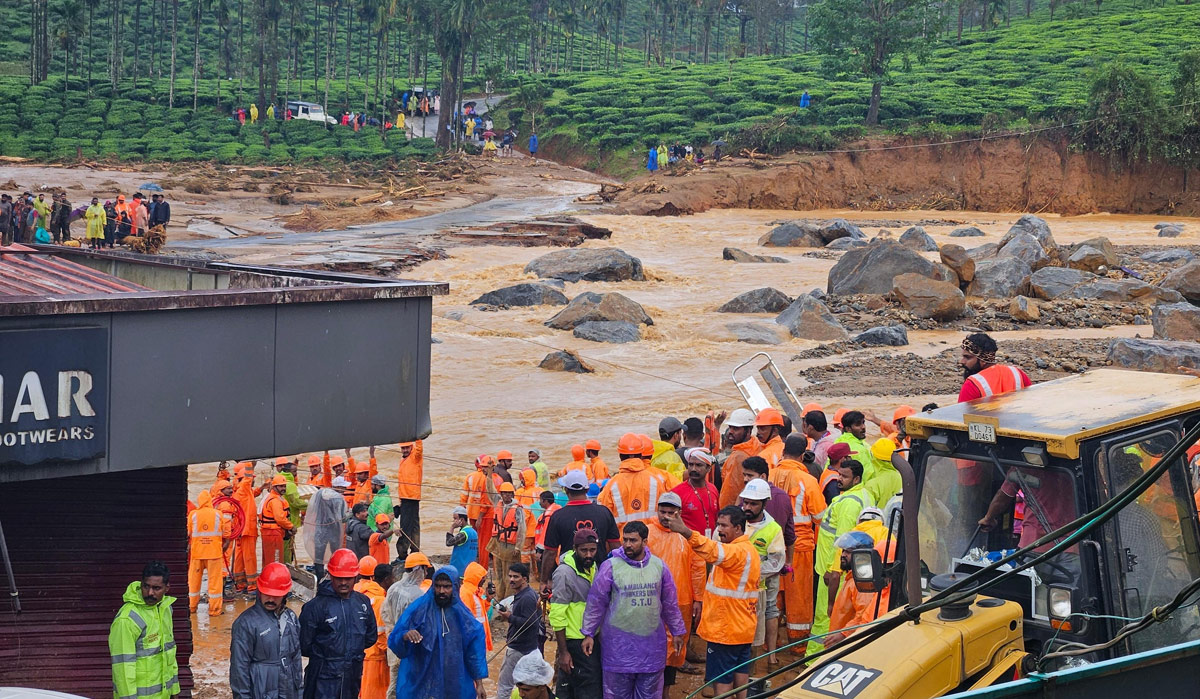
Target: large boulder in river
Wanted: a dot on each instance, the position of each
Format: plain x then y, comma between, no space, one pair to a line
736,255
999,277
957,259
758,332
917,239
883,336
1026,248
566,360
1154,355
810,319
1034,226
764,300
1052,282
967,232
618,331
928,298
793,235
846,244
870,270
1169,230
1122,291
591,306
1092,254
1185,280
1169,256
591,264
526,294
1176,321
839,228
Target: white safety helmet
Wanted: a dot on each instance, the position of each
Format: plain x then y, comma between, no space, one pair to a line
757,489
742,417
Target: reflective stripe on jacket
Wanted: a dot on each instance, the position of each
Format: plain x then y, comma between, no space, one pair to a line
840,518
632,494
569,596
997,379
808,502
731,596
141,645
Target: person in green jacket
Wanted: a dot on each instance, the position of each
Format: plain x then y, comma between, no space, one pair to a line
141,642
381,504
855,434
540,468
840,517
579,672
296,507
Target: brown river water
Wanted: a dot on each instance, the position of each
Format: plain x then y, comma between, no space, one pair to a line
488,393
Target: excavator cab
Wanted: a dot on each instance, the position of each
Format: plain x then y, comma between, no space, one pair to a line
996,474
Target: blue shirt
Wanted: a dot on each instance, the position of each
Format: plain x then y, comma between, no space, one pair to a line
467,551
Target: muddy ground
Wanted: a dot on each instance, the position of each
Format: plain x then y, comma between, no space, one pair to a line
487,392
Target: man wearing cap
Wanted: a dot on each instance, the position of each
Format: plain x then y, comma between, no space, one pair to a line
378,543
363,489
670,435
830,481
336,628
691,437
358,534
808,508
416,579
533,675
841,517
408,489
597,470
699,497
381,502
767,537
687,570
779,506
578,513
463,540
769,427
264,648
275,521
503,464
540,468
739,437
982,376
580,673
509,528
318,476
375,579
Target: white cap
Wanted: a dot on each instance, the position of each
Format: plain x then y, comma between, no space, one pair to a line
460,510
341,482
669,498
742,417
756,489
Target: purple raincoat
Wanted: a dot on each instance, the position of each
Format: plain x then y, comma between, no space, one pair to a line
633,603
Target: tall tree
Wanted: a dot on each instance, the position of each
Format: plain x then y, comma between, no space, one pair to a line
868,35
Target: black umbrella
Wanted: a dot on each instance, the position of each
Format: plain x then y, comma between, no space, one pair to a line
719,142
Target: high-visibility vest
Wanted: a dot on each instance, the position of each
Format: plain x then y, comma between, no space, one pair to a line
274,508
997,379
506,523
731,595
808,500
204,528
474,495
632,494
540,536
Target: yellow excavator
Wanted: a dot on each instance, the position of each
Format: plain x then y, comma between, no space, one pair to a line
1037,530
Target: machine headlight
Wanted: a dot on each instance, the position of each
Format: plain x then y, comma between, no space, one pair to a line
863,570
867,567
1060,602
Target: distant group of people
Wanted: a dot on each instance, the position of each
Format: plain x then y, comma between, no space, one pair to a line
36,219
662,156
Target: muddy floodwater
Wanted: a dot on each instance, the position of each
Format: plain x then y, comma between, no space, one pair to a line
487,392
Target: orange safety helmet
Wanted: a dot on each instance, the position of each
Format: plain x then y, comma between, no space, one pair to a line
902,412
768,417
592,445
415,559
483,461
336,460
503,454
246,465
837,417
240,472
577,452
647,446
222,485
506,487
313,460
278,480
629,443
810,407
366,566
281,460
275,580
342,564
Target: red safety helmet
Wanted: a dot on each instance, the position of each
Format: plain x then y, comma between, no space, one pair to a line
342,564
275,580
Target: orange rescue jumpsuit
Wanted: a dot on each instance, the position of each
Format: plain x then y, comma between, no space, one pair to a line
375,677
274,521
472,596
687,570
206,526
479,509
245,552
731,472
731,596
808,509
632,494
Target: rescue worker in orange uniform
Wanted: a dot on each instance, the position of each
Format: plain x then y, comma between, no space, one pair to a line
228,507
374,580
206,527
808,508
739,437
319,475
509,528
597,470
378,543
769,426
275,521
362,478
245,550
578,463
527,497
632,494
982,376
474,596
729,615
549,507
408,490
687,570
852,607
479,508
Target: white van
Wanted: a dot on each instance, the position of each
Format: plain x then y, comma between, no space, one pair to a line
310,111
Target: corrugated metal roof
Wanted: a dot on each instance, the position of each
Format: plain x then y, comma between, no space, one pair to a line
26,272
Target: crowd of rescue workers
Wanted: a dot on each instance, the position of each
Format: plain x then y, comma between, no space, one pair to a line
735,528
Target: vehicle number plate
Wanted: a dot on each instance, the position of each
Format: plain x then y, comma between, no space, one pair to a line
981,432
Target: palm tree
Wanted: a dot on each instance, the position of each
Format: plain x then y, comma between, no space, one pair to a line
69,18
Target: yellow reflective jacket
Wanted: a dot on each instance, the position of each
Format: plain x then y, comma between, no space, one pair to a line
141,644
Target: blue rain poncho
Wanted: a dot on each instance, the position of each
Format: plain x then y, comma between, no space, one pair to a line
452,653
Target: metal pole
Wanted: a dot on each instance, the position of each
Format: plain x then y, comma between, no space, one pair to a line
12,582
912,540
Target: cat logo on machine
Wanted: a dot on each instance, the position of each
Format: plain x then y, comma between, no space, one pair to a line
841,679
